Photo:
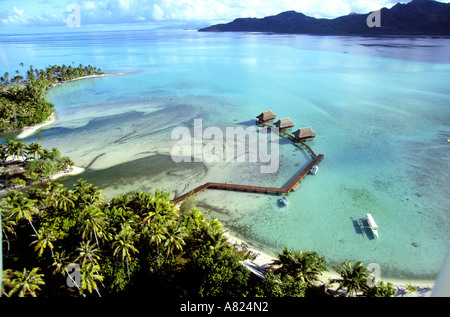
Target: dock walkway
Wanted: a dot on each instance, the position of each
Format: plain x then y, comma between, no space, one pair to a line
291,186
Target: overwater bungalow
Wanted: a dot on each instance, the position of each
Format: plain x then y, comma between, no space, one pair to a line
304,133
266,116
285,123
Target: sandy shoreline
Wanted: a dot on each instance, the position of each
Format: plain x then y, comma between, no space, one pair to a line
89,76
73,170
424,288
26,132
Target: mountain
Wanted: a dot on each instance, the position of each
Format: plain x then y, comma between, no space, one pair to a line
278,23
418,17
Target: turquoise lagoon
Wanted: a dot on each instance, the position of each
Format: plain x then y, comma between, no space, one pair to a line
380,106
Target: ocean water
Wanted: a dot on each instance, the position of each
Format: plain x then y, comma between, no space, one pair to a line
380,107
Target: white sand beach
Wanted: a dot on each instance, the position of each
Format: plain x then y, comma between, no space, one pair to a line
28,131
90,76
74,170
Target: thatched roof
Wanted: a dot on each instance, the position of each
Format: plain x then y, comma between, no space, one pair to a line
304,133
284,123
266,116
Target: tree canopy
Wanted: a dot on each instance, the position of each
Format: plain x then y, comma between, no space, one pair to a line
26,164
72,242
22,101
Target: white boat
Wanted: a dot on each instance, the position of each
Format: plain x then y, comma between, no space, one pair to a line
314,169
372,224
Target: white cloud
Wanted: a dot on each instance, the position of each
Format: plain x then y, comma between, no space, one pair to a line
16,16
28,12
157,13
88,5
125,4
230,9
18,12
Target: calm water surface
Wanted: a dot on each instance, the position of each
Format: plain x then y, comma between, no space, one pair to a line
380,107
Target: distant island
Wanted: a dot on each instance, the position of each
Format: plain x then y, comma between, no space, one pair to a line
419,17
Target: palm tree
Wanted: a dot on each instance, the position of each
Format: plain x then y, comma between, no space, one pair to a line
52,189
353,278
88,194
20,146
121,215
54,153
211,235
7,225
194,219
174,240
124,245
34,150
87,253
38,194
161,204
158,233
286,260
140,202
15,148
60,262
26,283
120,202
51,192
66,162
93,223
21,207
63,200
44,239
149,217
309,266
89,277
305,266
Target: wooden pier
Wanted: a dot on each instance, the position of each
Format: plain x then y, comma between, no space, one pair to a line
194,192
291,186
302,174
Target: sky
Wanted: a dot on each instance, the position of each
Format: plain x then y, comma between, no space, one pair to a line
16,14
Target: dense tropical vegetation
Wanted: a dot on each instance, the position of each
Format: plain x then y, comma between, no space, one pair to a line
22,101
72,242
24,164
